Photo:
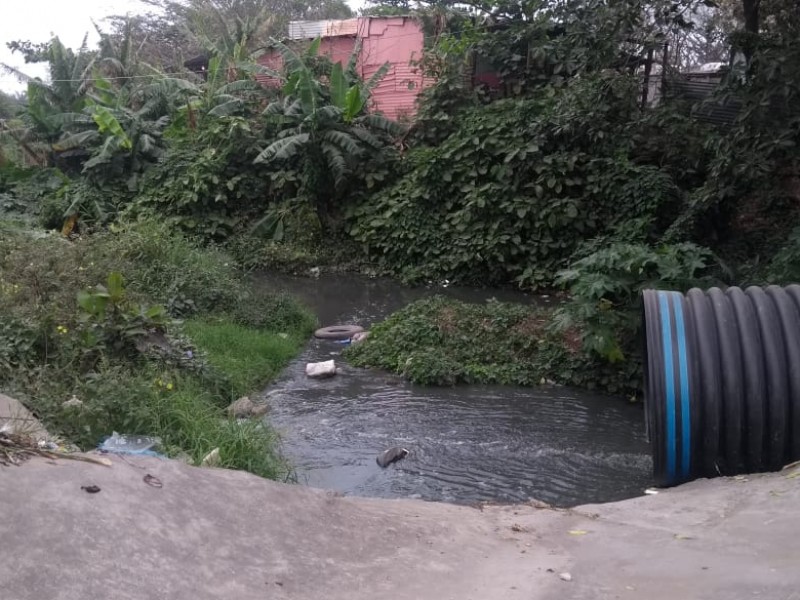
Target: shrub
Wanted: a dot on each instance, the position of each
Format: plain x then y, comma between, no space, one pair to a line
176,408
784,268
510,195
167,268
604,292
206,185
82,318
438,341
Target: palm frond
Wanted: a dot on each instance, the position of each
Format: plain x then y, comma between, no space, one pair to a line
257,69
351,72
283,149
294,108
342,140
338,86
64,120
381,123
77,140
303,83
242,85
337,163
365,136
329,113
274,108
104,155
22,77
147,144
227,108
377,76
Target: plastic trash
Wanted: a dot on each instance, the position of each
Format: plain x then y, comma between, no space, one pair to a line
321,369
130,444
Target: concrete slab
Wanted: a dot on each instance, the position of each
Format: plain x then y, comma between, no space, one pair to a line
14,413
213,533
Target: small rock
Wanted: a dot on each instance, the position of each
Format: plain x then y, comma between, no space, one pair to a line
73,402
321,369
211,459
565,576
244,408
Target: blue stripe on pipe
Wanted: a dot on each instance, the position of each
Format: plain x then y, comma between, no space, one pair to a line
683,370
669,380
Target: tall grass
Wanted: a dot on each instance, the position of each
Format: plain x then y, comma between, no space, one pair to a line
249,358
179,396
175,407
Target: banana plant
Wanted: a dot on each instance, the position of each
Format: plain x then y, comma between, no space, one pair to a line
322,127
122,139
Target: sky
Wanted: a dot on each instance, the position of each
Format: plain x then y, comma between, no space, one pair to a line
37,20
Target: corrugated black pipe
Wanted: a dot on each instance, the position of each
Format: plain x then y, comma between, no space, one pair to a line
722,380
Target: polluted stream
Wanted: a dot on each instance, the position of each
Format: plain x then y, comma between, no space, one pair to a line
467,444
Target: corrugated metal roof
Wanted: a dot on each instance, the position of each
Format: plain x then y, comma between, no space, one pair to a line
303,30
700,91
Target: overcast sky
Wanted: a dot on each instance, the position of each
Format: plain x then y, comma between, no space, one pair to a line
36,20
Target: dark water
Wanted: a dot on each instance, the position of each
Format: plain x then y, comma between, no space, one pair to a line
468,444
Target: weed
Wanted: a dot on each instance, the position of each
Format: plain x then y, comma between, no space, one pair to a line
68,328
443,342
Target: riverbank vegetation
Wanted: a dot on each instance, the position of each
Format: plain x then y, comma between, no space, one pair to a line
583,162
91,339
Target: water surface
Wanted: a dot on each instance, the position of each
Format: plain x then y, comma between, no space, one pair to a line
468,443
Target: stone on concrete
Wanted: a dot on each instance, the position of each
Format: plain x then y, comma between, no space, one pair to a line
18,419
211,459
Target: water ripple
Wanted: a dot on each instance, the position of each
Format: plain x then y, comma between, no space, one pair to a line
467,444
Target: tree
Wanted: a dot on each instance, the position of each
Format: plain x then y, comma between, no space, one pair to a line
205,24
322,127
10,105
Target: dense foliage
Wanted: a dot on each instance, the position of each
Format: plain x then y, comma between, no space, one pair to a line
443,342
94,319
511,195
537,158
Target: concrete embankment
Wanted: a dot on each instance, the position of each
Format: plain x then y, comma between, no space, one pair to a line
212,533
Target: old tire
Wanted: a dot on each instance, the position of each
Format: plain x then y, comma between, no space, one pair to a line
338,332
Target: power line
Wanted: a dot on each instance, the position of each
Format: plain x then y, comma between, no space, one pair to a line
25,80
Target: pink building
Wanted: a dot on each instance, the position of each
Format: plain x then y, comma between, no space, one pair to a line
396,40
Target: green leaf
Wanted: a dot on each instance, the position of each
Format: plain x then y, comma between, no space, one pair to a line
156,312
338,86
354,103
115,286
108,123
93,303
